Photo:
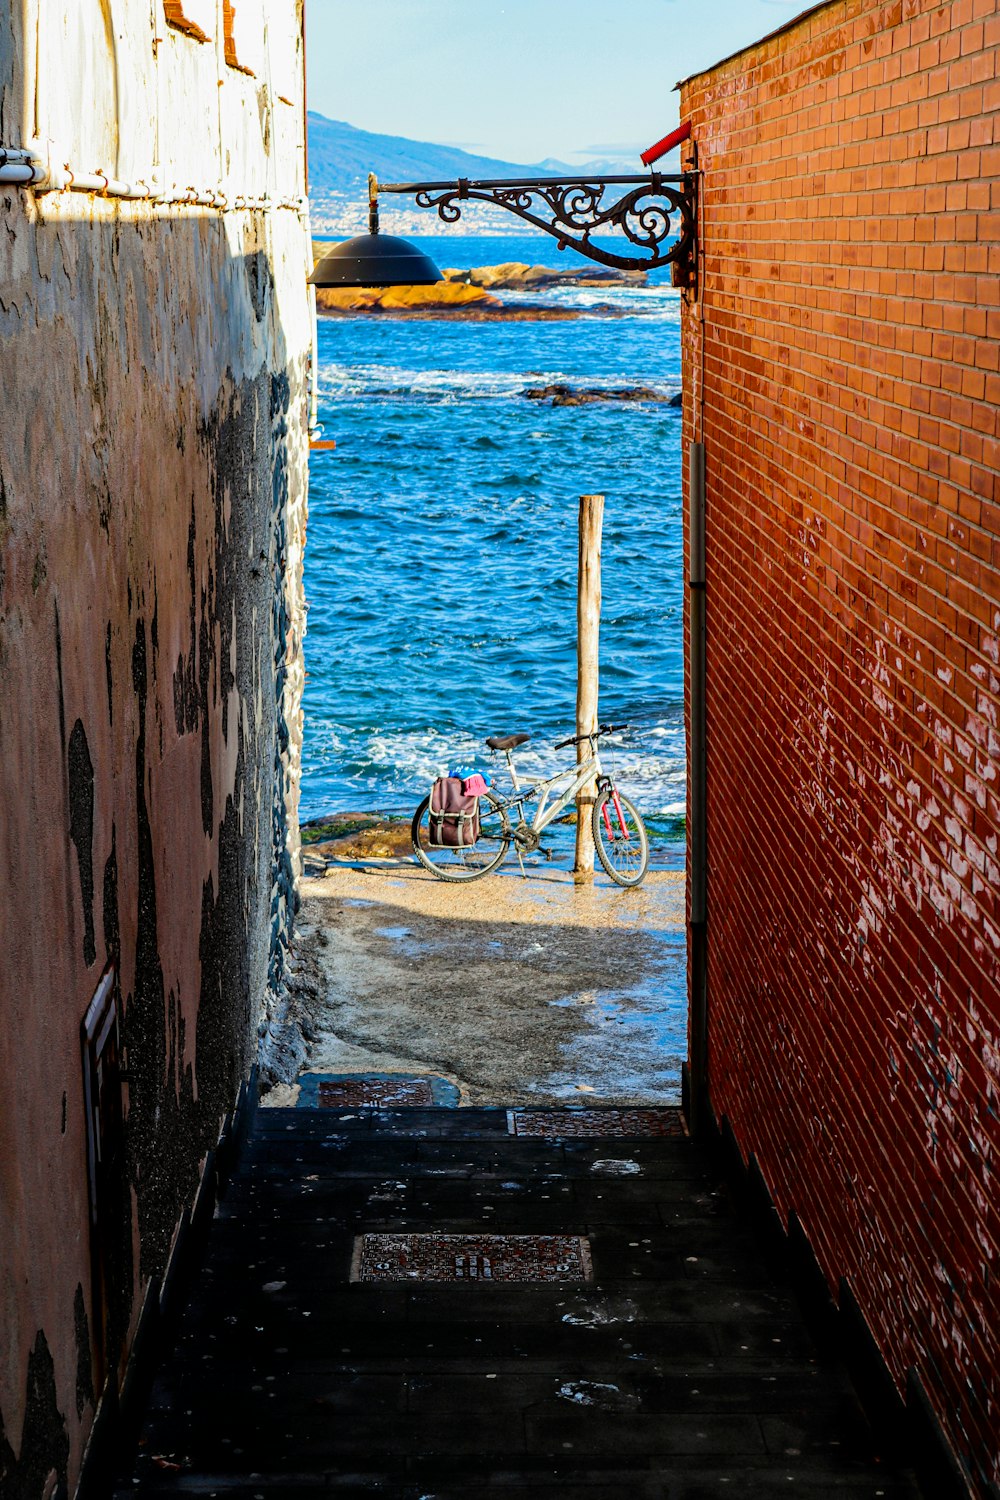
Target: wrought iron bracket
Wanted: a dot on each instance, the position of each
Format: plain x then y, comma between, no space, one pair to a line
658,214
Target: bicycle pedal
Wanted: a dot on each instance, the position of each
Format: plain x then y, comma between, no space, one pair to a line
549,853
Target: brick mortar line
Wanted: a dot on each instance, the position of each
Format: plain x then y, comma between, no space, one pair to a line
857,977
889,951
919,680
914,616
864,491
871,824
856,1147
907,914
836,417
788,186
869,27
976,1316
843,646
845,553
884,958
863,578
745,301
740,314
908,1082
833,848
907,1253
904,1345
825,411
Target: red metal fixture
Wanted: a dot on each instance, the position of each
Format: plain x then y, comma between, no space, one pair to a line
675,138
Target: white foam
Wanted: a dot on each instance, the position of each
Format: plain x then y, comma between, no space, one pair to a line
652,303
343,381
399,765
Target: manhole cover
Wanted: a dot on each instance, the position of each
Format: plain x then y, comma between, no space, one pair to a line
557,1124
355,1093
471,1257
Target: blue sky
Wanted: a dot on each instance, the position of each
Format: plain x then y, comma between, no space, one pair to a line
522,79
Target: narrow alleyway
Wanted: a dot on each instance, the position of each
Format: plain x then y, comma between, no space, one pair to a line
658,1357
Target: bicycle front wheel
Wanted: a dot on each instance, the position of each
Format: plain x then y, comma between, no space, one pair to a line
478,859
620,838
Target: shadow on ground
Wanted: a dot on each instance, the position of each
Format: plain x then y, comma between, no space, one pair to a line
518,991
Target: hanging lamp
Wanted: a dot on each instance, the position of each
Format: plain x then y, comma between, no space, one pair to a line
375,259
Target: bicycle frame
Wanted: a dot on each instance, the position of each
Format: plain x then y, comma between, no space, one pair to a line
545,813
622,851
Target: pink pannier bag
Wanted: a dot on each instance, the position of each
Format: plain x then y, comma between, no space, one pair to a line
453,817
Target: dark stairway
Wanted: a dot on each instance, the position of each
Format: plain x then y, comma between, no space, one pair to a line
680,1371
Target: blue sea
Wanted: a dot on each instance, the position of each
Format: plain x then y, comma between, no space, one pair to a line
442,546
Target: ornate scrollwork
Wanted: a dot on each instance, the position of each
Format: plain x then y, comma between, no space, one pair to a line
656,214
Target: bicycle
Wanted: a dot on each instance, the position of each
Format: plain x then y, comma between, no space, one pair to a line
620,838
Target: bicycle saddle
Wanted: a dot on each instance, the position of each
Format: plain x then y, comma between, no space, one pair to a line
507,741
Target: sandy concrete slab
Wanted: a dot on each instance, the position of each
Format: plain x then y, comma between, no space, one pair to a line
520,991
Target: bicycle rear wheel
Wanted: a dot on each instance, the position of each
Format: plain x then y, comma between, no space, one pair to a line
486,854
620,839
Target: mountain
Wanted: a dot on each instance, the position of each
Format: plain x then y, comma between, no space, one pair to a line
340,158
603,166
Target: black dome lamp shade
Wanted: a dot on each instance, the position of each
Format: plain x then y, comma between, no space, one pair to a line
375,259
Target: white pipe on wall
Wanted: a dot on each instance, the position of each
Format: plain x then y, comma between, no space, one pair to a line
40,132
34,150
98,182
37,164
314,427
21,173
29,40
25,167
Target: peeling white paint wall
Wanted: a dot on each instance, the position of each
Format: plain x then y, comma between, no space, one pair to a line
155,337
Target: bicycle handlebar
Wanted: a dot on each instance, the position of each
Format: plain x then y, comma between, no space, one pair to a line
576,739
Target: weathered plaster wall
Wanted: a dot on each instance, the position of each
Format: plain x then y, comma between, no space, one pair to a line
843,369
152,512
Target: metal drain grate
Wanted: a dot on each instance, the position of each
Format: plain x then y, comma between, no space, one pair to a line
471,1258
356,1093
559,1124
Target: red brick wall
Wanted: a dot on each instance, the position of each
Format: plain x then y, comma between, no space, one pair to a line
851,325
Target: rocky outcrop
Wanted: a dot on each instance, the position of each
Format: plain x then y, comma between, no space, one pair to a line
568,395
354,836
402,298
456,299
518,276
468,294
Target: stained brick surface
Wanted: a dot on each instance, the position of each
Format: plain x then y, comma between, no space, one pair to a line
848,390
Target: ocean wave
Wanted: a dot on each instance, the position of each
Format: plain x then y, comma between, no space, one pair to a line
391,769
648,302
345,381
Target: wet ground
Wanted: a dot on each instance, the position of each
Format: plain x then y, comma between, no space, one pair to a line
437,1304
421,1301
514,990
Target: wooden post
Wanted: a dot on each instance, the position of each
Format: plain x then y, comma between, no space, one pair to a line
588,632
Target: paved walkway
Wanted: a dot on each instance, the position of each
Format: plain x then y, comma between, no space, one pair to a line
680,1371
529,991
